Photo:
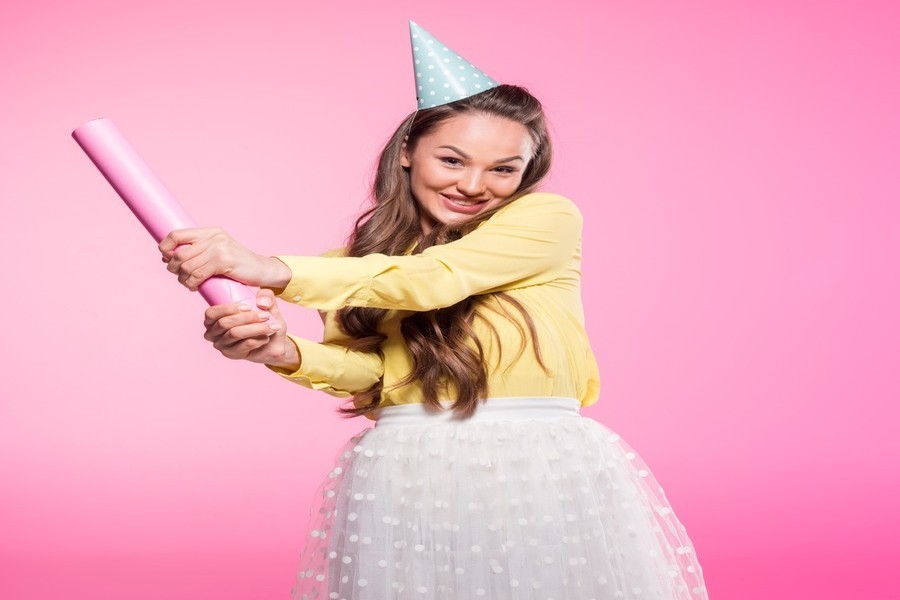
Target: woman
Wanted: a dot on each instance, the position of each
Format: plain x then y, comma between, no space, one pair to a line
453,318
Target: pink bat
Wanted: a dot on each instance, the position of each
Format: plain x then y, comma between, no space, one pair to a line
148,198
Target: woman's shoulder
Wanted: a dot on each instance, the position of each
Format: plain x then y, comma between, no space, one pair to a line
542,203
339,251
540,210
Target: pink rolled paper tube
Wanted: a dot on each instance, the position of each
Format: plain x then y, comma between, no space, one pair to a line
148,198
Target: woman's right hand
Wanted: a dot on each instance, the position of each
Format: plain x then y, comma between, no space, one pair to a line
239,332
198,253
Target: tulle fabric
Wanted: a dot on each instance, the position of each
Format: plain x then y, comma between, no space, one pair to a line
523,504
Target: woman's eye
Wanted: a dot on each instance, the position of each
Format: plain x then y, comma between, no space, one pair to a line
450,161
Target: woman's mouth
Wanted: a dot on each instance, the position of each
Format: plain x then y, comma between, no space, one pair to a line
464,206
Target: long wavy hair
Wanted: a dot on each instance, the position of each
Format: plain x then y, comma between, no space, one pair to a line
439,340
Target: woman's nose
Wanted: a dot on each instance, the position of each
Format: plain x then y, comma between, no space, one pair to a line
471,183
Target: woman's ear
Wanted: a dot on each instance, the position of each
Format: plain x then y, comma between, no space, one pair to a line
404,155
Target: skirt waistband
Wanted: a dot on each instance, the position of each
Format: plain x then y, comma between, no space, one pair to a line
513,408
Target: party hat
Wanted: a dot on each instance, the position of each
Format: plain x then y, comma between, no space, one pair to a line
442,75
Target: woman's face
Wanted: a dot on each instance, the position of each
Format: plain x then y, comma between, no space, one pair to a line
468,164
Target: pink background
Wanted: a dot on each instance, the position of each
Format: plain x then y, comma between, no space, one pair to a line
737,167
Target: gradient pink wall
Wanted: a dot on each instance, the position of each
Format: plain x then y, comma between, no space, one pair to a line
737,166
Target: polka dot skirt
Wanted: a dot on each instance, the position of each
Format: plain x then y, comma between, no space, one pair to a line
550,509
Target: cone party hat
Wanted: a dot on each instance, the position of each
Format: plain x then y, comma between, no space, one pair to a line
442,75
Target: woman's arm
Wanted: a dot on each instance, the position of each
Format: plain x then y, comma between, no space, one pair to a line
329,366
260,336
531,241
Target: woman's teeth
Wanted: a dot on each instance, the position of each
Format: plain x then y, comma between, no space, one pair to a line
465,202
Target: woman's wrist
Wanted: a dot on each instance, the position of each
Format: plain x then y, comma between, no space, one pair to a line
278,275
290,360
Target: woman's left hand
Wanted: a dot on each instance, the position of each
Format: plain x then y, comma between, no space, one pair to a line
206,251
260,336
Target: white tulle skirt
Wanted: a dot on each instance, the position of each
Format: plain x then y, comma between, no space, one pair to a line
528,499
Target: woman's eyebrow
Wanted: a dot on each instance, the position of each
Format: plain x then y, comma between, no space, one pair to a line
464,155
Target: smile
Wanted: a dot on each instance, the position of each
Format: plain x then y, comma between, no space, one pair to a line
463,203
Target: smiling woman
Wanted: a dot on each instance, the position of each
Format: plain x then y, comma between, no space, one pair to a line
455,173
454,320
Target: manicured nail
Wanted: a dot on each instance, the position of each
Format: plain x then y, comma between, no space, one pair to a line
275,326
263,314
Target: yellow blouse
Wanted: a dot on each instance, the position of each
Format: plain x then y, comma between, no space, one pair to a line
530,249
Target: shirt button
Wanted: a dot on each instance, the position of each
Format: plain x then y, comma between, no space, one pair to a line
297,298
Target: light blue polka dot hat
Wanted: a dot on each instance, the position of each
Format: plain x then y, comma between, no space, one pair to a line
442,75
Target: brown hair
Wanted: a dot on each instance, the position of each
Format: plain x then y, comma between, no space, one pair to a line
437,338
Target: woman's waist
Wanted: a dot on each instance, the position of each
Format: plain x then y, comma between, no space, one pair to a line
503,408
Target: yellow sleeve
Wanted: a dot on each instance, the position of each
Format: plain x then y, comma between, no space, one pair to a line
329,366
333,368
527,242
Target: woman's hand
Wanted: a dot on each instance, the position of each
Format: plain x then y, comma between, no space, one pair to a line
210,251
239,332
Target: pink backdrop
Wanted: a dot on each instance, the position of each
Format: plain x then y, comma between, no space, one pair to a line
736,164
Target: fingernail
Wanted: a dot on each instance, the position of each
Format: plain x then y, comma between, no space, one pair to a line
275,326
243,307
263,314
